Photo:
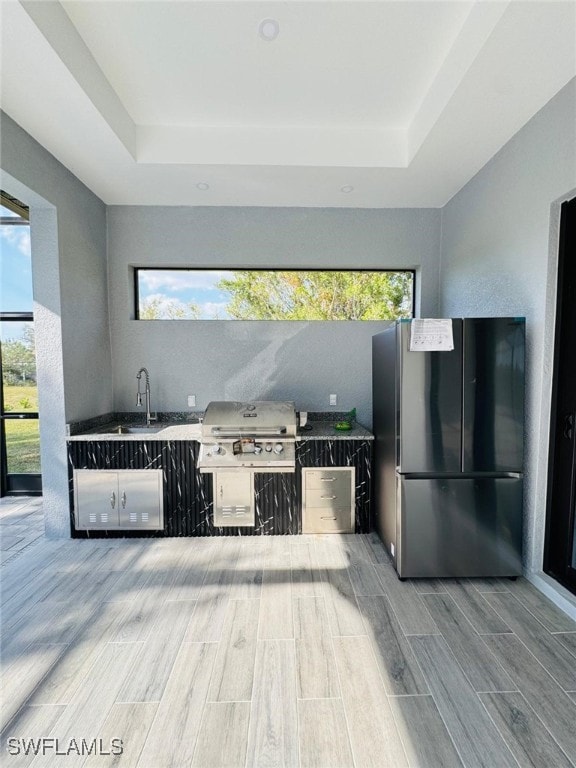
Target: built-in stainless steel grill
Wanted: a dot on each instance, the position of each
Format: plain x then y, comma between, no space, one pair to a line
259,436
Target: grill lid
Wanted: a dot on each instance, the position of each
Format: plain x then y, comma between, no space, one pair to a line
261,417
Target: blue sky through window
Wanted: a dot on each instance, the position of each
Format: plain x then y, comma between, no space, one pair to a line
172,291
15,269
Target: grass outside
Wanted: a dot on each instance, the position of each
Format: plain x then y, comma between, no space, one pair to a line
22,436
20,398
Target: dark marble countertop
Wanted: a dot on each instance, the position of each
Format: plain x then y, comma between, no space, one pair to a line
158,431
170,425
176,426
325,430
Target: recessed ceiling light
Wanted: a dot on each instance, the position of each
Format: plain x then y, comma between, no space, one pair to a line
202,186
269,29
347,188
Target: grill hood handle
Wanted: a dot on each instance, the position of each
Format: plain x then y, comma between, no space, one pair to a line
235,431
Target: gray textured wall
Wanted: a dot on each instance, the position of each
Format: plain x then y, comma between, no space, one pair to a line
499,257
299,361
68,230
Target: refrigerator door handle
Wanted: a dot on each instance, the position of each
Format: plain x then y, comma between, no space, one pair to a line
569,426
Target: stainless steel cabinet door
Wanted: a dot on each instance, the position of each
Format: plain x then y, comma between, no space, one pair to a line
115,499
140,499
493,407
429,409
96,499
233,498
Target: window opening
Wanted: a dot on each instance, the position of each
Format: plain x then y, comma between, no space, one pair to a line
243,294
19,425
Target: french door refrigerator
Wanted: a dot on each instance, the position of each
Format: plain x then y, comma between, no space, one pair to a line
449,449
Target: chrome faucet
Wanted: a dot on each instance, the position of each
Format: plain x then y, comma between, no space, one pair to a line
149,417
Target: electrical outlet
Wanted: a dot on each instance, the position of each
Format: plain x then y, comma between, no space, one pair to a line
191,401
333,399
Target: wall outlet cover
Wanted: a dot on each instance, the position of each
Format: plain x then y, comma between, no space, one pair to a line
191,401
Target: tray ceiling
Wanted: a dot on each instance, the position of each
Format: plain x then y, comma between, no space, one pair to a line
353,104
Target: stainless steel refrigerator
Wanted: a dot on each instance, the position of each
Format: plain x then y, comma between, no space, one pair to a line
449,449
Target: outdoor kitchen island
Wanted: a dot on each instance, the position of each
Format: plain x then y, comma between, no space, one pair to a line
186,501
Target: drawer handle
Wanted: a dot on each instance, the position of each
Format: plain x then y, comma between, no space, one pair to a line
113,500
325,517
328,497
327,479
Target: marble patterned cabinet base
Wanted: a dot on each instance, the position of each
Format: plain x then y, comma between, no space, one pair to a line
188,502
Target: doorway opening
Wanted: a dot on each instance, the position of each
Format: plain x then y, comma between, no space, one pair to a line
19,419
560,542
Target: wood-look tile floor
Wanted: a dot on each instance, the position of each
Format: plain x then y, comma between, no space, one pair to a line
272,651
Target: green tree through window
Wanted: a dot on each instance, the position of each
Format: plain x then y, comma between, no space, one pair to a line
181,294
319,295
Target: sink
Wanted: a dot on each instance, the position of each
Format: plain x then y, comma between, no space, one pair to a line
143,430
124,429
186,430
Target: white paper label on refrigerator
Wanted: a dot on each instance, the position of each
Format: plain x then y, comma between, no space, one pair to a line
431,335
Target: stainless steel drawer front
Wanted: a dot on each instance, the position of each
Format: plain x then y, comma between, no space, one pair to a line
328,500
327,479
328,521
340,497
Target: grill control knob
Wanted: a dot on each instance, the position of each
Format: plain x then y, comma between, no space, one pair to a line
257,449
268,447
217,449
278,448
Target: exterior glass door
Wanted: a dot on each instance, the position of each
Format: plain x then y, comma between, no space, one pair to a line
574,542
19,425
560,546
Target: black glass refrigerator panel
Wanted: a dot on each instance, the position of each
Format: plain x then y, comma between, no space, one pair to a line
430,406
449,449
461,526
493,400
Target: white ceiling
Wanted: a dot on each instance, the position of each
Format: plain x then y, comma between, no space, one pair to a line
354,104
